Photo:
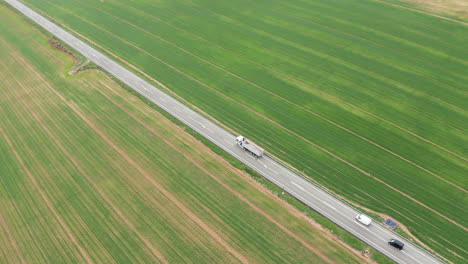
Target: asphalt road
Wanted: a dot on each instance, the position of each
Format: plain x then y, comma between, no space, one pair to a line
376,235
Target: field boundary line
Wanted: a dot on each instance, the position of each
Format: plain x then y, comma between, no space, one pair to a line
423,12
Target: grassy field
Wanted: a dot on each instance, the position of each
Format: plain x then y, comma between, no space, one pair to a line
90,174
366,98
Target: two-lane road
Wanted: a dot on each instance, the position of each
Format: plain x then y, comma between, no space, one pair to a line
375,235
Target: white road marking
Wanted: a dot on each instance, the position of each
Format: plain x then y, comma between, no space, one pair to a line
297,185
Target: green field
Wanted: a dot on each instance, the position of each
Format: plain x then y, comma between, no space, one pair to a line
366,98
90,174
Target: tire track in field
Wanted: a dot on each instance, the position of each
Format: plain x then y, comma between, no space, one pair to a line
12,241
298,61
182,223
264,89
46,200
328,55
237,194
313,144
149,178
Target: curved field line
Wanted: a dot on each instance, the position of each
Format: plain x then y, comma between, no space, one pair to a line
237,194
266,90
306,140
288,76
46,200
336,58
422,12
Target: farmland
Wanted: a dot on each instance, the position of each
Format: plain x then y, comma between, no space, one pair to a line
365,98
79,185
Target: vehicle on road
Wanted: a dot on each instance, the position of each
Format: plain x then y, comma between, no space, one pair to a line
396,243
364,219
250,147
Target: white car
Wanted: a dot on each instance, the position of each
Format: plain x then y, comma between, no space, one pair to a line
364,219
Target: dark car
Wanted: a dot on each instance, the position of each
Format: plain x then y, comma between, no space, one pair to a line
396,243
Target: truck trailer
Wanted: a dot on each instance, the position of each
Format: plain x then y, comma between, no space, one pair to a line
250,147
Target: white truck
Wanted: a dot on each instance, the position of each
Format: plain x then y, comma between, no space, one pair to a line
250,147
